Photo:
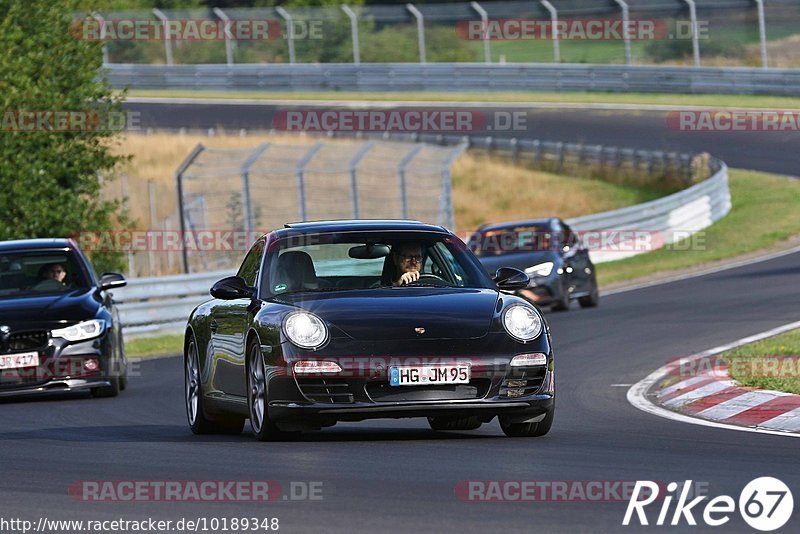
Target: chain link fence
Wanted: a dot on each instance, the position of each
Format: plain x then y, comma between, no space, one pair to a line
684,32
250,191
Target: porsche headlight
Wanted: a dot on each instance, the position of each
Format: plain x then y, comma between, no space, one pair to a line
305,330
541,269
81,331
522,322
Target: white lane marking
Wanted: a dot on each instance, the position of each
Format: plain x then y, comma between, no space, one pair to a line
621,385
682,385
737,405
788,421
699,393
637,394
426,103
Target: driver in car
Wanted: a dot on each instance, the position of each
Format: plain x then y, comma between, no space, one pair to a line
407,261
52,276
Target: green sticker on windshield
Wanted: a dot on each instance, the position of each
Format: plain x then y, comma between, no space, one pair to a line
280,287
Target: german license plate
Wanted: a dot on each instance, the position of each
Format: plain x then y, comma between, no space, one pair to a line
19,361
418,375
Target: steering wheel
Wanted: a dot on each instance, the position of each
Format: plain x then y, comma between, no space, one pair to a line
426,276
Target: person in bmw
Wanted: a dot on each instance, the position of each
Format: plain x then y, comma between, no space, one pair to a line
59,328
313,329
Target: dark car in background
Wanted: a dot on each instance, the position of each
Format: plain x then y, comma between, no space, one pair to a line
312,331
59,328
549,252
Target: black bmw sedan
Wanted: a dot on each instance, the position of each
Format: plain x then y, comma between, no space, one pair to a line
353,320
59,329
549,252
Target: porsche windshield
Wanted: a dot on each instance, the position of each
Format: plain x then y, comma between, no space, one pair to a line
40,272
364,260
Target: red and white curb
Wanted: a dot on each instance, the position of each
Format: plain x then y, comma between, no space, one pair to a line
711,398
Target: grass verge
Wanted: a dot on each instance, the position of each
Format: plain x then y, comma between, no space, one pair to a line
744,230
148,347
711,100
759,364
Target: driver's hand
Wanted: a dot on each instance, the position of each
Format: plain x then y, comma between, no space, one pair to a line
407,278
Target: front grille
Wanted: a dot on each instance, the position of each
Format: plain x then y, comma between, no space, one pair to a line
27,341
520,383
326,390
383,392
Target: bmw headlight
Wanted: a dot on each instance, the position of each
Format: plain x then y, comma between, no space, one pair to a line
305,330
541,269
81,331
522,322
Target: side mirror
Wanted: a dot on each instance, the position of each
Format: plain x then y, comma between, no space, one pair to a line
232,287
510,279
111,281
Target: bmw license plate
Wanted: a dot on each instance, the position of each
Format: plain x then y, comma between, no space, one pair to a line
19,361
419,375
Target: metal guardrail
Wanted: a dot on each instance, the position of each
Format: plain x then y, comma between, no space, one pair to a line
158,305
453,77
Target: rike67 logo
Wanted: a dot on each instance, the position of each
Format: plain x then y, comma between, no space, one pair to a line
765,504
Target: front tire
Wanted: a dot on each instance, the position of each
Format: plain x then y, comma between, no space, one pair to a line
592,299
520,430
454,423
199,422
263,428
562,304
108,391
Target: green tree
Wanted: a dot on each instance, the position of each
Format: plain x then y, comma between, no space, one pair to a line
50,180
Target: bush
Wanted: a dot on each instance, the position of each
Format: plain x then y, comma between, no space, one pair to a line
49,185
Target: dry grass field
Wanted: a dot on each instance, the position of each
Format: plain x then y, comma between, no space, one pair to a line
485,189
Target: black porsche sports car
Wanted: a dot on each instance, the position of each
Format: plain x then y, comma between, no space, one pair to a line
59,328
549,252
318,326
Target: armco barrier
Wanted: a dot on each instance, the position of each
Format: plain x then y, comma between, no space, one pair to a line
451,77
150,306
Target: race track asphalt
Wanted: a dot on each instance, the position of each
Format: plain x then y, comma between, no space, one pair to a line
767,151
399,476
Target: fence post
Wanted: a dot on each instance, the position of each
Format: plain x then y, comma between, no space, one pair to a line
354,32
167,40
228,37
301,186
102,22
446,214
762,33
554,24
181,216
289,31
626,37
695,31
401,173
420,30
245,171
353,168
151,194
487,53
